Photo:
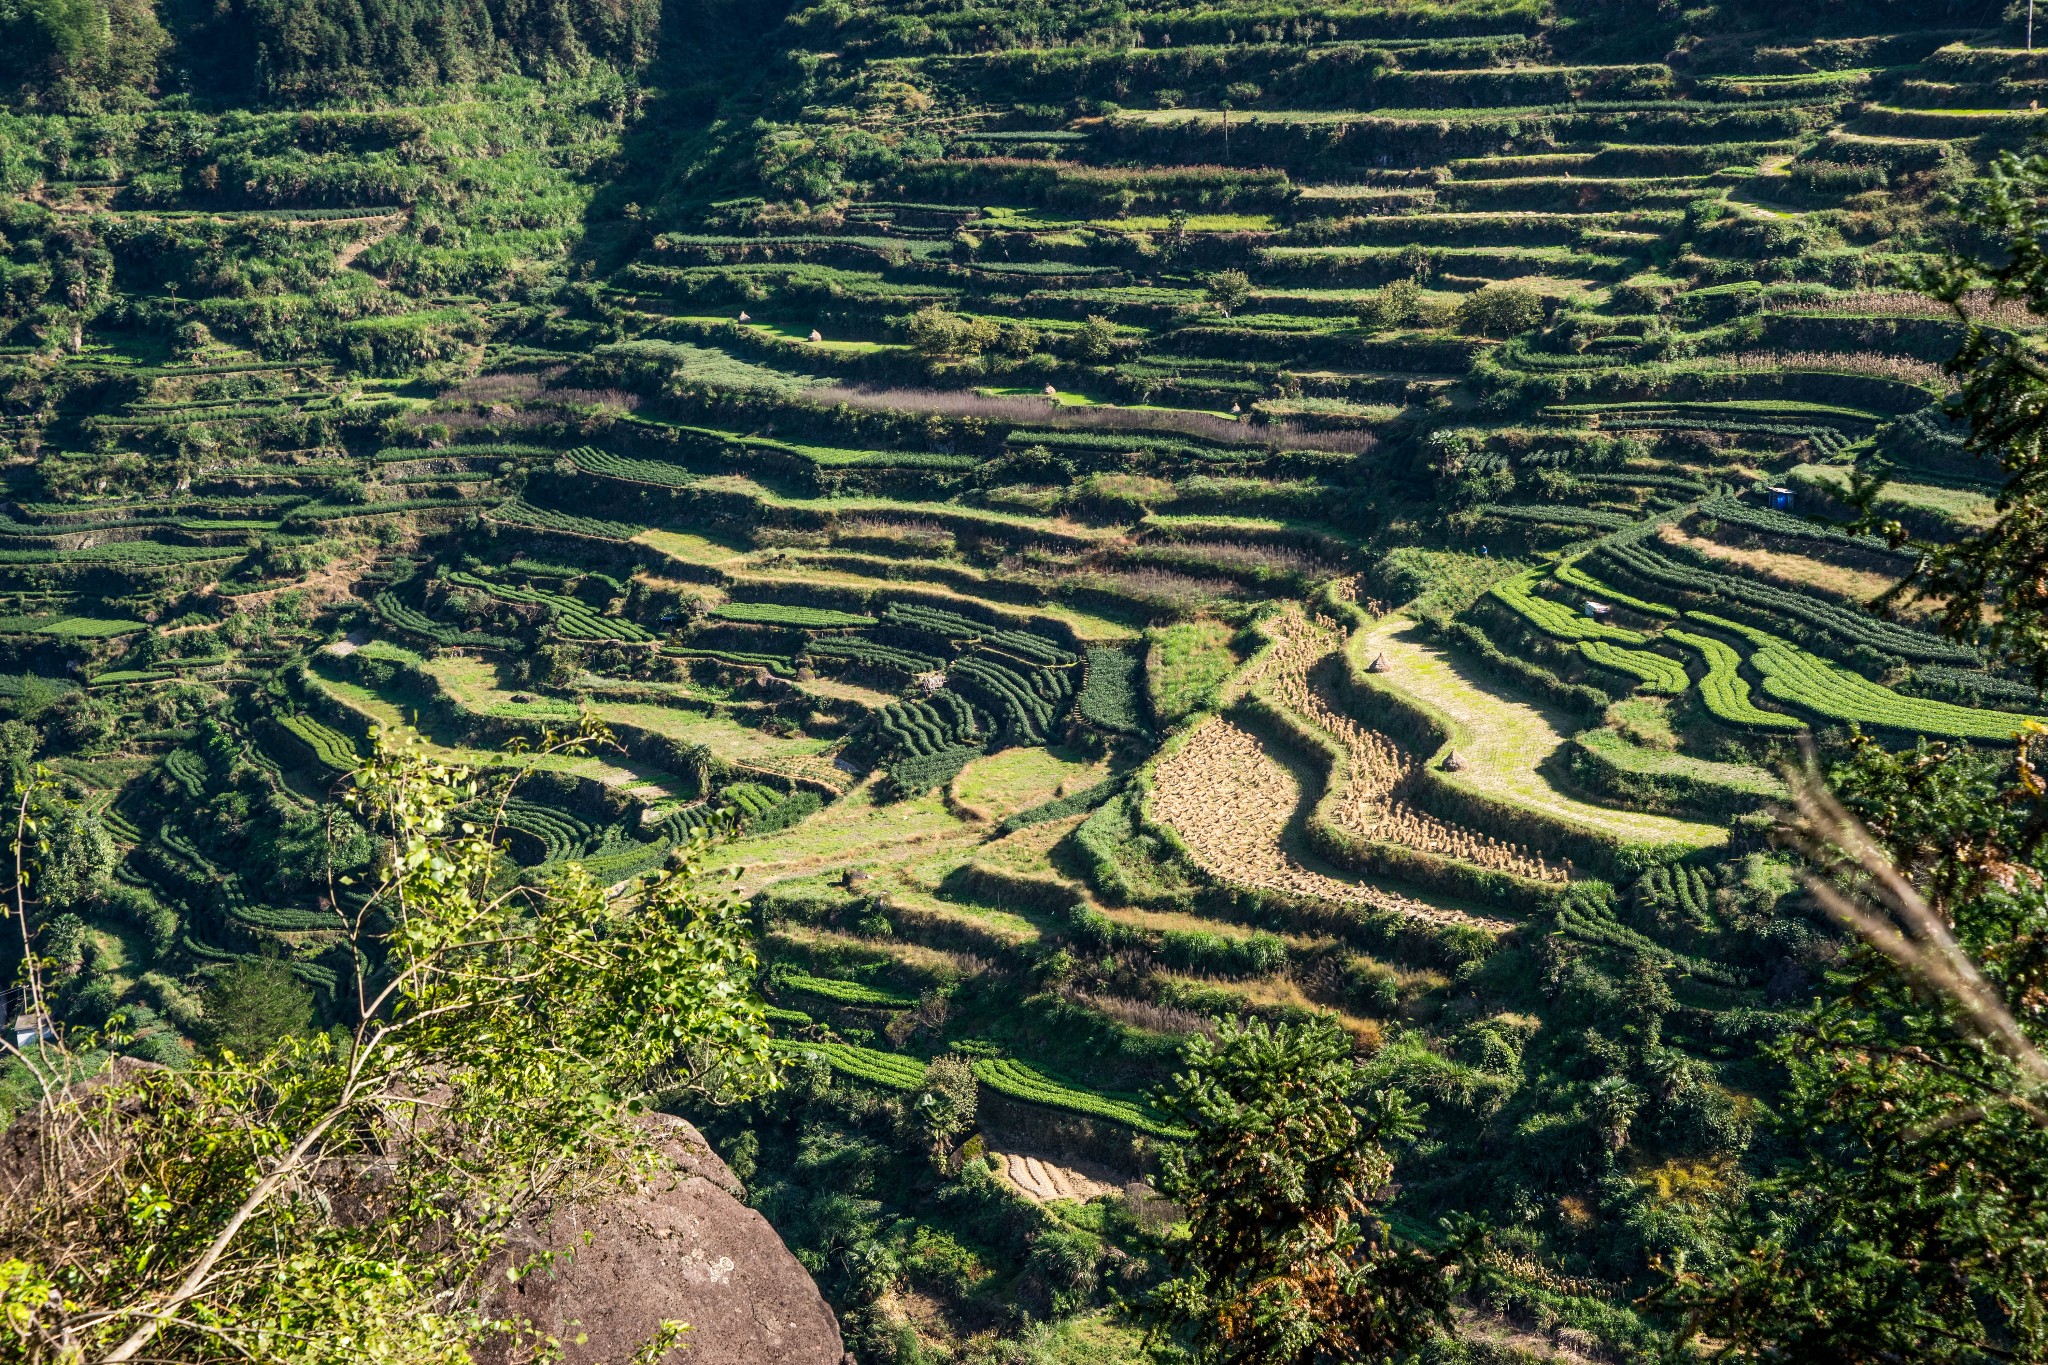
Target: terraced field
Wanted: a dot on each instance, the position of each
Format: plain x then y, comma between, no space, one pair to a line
1120,516
1500,746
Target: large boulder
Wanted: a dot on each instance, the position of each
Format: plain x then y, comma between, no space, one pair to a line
679,1246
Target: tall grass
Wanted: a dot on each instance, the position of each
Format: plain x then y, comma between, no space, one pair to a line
1878,365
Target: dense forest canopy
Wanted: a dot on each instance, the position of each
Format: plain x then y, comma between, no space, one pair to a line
86,53
1223,578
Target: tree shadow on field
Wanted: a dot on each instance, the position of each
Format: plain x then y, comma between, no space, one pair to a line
714,72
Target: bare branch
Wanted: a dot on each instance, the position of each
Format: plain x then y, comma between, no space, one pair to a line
1902,926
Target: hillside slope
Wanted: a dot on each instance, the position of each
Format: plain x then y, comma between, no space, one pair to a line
1134,512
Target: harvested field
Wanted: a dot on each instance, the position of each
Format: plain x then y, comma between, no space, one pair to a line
1231,801
1375,803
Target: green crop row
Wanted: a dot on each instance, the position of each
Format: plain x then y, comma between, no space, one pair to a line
276,919
890,1070
71,627
1554,618
1036,648
1577,920
934,621
940,722
573,618
560,836
330,747
1792,675
798,618
1013,1078
871,654
1770,521
1724,690
1080,802
1109,695
1026,702
519,512
1638,560
1657,674
606,465
739,658
416,622
915,774
1591,518
847,992
616,862
1687,888
751,798
1569,573
188,770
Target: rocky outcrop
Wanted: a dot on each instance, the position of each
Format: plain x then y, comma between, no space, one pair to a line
680,1246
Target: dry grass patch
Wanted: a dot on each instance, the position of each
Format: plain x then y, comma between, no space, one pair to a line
1798,572
1231,801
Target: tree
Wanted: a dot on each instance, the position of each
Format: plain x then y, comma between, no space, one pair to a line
939,333
1913,1222
1499,310
75,856
343,1195
947,1102
1094,341
82,44
1228,290
252,1006
1284,1262
1391,305
2003,399
83,722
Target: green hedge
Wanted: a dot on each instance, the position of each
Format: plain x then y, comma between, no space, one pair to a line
1724,690
1018,1081
1792,675
847,992
889,1070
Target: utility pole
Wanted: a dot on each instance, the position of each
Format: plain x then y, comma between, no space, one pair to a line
2030,25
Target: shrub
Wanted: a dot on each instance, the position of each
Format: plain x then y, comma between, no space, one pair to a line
1206,954
1499,310
1228,290
1397,304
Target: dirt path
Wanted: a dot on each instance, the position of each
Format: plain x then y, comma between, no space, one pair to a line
331,583
347,257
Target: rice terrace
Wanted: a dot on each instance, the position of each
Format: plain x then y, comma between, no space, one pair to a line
1093,519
